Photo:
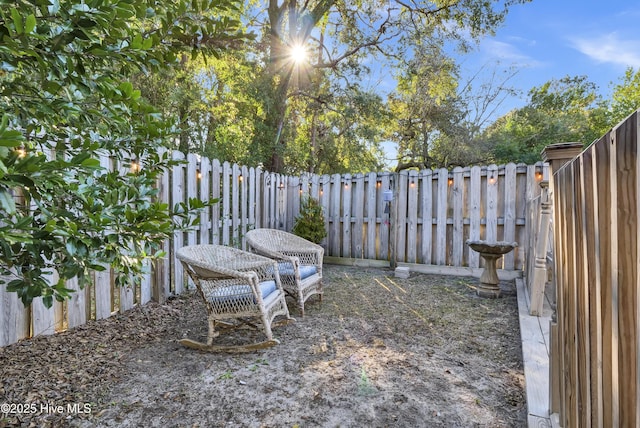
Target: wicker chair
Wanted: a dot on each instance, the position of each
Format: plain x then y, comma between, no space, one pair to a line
237,287
299,261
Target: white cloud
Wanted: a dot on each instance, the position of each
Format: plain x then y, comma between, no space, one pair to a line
508,52
610,48
522,41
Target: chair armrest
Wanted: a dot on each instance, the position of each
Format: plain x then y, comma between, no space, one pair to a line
308,257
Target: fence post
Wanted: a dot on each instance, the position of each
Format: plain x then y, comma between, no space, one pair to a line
540,252
556,155
393,219
559,154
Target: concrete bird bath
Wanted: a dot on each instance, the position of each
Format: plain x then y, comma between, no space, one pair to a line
490,252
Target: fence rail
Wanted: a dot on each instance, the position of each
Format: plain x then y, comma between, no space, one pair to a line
432,214
595,347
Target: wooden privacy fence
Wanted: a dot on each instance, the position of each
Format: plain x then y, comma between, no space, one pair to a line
437,211
431,216
595,346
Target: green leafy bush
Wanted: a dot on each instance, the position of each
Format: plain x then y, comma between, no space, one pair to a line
66,103
310,222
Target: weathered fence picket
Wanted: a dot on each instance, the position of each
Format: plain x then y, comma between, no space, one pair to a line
205,180
383,210
42,319
358,237
475,210
161,268
510,199
441,217
371,217
225,204
426,214
347,183
177,195
334,214
400,227
457,194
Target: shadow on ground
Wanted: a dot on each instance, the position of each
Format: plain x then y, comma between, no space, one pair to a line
377,352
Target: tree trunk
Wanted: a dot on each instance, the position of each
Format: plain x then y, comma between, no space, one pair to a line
281,68
183,116
314,120
183,112
280,75
277,121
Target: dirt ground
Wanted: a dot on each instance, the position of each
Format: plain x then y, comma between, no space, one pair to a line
377,352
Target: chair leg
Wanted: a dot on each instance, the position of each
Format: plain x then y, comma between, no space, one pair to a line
212,331
266,324
301,303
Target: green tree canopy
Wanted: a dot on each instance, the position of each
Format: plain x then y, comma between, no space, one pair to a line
343,36
626,96
67,103
264,107
561,110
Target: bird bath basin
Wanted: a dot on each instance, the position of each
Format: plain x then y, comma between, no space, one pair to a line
490,252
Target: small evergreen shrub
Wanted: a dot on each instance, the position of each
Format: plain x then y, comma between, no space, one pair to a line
310,222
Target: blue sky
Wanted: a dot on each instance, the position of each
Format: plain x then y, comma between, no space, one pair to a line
551,39
548,39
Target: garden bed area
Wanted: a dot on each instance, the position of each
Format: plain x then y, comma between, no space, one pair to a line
378,351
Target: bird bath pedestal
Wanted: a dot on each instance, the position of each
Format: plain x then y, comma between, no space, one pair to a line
490,252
